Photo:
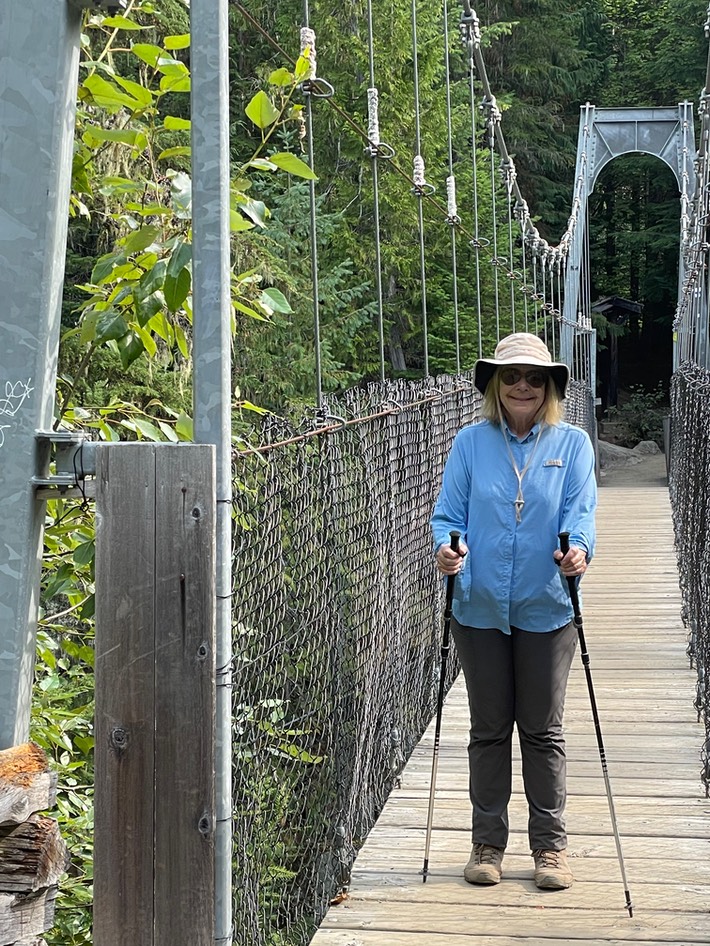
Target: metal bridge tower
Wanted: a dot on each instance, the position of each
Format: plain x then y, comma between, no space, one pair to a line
608,133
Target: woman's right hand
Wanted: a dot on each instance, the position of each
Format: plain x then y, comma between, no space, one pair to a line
449,562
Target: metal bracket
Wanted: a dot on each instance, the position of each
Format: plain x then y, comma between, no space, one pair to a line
65,458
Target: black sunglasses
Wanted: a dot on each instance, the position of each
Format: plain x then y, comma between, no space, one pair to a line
536,378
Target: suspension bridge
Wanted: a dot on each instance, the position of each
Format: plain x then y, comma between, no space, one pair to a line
327,645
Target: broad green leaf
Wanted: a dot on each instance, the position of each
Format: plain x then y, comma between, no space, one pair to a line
168,431
147,339
114,186
261,110
149,210
110,326
108,95
148,430
262,163
137,90
293,165
303,67
181,190
160,325
168,66
147,306
121,23
181,341
153,279
148,53
88,327
174,152
105,267
130,347
184,427
247,310
248,406
273,300
94,134
108,432
177,41
84,553
281,77
140,239
237,223
176,124
180,257
175,83
177,289
255,209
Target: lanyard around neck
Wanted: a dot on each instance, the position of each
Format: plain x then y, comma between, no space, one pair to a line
519,501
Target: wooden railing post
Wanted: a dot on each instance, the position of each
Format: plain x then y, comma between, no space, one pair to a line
155,695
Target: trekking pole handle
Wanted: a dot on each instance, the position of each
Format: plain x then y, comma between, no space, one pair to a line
564,542
571,582
454,535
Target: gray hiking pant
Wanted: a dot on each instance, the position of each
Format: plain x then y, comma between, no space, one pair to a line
517,678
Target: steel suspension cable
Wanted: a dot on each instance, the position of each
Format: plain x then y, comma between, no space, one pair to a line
492,113
509,172
469,32
452,216
373,149
308,45
420,185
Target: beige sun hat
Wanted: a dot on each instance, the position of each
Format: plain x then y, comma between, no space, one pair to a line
520,348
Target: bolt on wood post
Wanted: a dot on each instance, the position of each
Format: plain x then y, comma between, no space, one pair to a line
155,695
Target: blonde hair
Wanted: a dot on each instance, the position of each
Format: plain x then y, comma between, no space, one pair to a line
551,411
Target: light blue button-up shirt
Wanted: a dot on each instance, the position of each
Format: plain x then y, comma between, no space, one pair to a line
509,577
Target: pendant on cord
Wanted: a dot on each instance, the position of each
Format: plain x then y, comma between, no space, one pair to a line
519,503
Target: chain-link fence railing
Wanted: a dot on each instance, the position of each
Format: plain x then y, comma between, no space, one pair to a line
336,636
690,500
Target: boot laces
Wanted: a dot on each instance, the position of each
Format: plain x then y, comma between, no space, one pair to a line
487,854
548,858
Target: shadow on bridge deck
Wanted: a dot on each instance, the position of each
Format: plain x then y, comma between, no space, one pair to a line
645,692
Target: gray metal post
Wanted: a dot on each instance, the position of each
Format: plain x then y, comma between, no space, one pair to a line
39,62
212,379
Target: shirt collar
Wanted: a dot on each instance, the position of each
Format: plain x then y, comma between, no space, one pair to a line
511,436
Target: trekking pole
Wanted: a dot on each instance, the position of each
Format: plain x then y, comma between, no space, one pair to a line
572,586
445,647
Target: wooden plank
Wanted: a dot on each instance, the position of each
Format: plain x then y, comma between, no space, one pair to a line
185,696
125,708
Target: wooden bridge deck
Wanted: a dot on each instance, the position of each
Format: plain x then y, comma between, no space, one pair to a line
645,692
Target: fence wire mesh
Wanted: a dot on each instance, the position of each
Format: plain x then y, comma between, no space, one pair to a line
690,500
337,633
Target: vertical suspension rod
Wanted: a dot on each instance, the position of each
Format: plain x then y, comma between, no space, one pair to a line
374,155
418,190
451,183
314,226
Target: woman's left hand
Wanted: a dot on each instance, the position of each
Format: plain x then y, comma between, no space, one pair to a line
572,564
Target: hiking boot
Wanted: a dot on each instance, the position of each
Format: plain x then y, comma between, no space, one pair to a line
552,870
484,867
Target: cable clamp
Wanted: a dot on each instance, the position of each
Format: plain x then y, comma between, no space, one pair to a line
65,459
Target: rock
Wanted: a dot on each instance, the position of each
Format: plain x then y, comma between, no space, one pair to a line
613,456
647,448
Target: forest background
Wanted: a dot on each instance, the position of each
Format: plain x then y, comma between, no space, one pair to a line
125,355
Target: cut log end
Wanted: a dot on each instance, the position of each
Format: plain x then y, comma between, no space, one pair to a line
20,765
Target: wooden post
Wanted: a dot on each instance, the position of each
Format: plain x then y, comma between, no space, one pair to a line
155,695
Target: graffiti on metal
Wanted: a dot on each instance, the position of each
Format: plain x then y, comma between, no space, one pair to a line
16,393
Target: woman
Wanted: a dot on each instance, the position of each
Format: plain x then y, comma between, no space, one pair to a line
510,485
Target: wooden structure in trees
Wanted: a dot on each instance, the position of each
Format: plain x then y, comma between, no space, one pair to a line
33,855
